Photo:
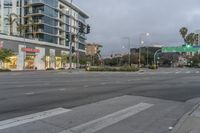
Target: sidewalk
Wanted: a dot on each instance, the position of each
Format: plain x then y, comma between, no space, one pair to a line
190,123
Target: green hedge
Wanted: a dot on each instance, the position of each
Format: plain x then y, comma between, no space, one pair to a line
5,70
153,67
112,69
50,69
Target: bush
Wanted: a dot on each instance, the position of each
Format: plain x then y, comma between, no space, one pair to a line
50,69
61,68
112,69
5,70
153,67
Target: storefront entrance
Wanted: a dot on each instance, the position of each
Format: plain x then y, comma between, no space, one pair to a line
30,61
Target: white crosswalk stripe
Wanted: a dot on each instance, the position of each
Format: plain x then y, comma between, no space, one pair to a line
30,118
98,124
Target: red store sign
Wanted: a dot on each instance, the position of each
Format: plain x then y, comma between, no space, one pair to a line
30,50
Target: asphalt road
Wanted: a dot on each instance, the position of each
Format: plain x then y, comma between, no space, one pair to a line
24,93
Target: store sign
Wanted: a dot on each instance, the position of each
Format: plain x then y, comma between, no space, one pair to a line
30,50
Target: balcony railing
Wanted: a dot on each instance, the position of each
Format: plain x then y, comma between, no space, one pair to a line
29,2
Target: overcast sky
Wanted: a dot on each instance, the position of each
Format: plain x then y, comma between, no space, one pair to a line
112,20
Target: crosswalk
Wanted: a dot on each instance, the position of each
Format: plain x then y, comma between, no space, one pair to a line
127,114
171,72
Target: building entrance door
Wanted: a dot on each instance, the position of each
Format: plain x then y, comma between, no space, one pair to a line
30,62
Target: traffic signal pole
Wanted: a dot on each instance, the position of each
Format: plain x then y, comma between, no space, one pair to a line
70,38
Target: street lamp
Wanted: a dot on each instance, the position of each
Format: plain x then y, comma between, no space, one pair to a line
155,55
129,49
141,43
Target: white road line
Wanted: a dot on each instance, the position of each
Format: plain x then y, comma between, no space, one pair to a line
30,118
62,89
188,72
29,93
178,72
197,71
98,124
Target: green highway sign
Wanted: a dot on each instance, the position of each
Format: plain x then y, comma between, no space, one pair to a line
186,48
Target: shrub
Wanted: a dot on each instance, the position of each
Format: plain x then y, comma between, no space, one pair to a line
61,68
112,69
50,69
153,67
5,70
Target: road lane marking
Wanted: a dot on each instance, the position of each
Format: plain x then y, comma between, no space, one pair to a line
197,71
188,72
30,118
29,93
101,123
86,86
62,89
178,72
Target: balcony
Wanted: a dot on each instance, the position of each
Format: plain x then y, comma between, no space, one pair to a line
33,13
34,2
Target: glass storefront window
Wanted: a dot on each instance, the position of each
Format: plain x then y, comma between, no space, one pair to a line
12,64
58,62
29,62
47,62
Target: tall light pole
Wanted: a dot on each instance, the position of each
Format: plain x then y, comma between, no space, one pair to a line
141,43
155,55
129,49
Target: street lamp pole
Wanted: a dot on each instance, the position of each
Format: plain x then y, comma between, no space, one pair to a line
70,28
129,49
155,55
141,43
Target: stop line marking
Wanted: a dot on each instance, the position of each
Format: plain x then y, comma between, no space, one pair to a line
101,123
30,118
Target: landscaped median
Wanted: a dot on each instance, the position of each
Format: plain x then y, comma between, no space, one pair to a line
112,69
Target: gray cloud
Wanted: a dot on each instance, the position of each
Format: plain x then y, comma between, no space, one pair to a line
111,20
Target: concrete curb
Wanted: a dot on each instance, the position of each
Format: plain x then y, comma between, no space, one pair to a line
184,118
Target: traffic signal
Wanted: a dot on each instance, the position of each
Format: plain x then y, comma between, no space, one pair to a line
67,38
81,27
73,38
73,49
88,29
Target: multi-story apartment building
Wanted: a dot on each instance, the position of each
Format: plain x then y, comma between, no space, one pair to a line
43,26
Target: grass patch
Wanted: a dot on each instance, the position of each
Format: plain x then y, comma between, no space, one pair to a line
112,69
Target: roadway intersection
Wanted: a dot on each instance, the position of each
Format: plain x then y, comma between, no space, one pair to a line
149,101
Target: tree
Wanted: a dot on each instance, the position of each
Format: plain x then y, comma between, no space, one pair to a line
190,38
33,25
11,19
64,59
183,31
5,55
21,29
196,60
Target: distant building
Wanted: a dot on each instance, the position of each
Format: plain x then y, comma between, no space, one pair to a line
92,49
149,49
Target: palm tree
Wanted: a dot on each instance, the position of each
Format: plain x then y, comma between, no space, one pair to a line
190,38
21,28
11,19
196,37
34,26
183,31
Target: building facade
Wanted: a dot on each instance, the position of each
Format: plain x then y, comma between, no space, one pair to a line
40,31
92,49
